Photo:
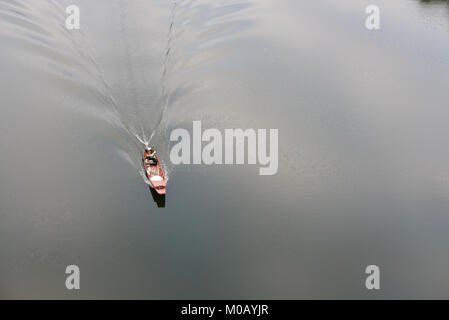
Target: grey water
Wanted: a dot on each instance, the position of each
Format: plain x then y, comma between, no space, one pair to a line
363,149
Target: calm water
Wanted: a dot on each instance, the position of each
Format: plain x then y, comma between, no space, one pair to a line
363,149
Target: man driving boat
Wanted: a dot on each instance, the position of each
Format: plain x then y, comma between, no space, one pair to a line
150,156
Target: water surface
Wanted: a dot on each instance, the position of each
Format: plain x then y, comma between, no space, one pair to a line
363,160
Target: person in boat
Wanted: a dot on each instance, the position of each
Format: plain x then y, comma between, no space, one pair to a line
150,155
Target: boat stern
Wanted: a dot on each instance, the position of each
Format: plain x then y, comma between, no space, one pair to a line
159,186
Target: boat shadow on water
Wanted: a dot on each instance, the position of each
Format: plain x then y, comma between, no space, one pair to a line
158,198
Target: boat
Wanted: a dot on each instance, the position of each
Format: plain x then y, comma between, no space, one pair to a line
154,172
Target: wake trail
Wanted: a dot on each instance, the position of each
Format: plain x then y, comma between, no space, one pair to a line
164,98
84,50
131,76
135,130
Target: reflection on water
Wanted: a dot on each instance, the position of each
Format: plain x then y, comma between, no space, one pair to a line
434,2
158,198
363,163
428,8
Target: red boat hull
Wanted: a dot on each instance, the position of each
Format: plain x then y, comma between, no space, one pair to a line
155,174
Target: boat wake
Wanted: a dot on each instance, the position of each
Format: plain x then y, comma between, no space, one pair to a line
125,78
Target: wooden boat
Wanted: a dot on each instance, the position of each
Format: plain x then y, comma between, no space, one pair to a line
154,172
